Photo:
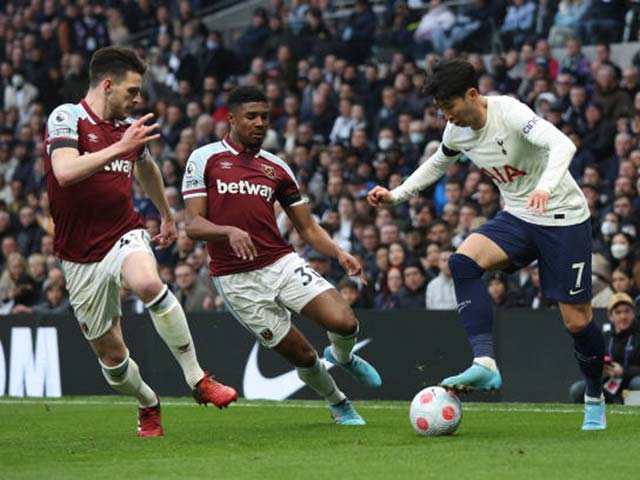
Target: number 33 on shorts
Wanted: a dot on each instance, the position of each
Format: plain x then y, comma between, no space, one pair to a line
307,274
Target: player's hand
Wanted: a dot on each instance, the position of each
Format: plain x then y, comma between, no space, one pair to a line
168,234
241,244
614,370
138,134
351,266
538,201
379,195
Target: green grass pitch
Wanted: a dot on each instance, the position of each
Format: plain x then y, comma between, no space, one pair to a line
94,438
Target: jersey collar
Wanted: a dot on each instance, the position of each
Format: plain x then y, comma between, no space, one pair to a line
95,118
229,145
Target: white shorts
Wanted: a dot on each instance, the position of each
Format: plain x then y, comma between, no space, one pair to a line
94,288
261,299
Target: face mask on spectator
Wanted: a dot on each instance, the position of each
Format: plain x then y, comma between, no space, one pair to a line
384,143
416,137
629,229
609,228
211,45
619,250
17,81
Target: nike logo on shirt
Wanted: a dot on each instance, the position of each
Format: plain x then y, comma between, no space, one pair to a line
256,385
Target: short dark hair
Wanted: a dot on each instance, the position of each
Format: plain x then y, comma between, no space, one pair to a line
450,79
241,95
115,62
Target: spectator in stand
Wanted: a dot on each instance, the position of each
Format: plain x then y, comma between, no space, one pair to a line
190,292
29,234
567,21
387,298
440,293
437,19
358,34
604,20
499,291
615,101
518,23
622,360
412,294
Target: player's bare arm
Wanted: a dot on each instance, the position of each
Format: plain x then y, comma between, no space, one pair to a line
70,167
199,228
318,238
149,176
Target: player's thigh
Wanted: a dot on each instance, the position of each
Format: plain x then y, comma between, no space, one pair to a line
297,349
253,304
94,296
110,347
501,243
305,291
564,262
330,310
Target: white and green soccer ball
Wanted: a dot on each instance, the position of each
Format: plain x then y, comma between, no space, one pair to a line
435,411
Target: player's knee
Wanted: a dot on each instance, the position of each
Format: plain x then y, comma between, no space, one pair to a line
344,321
576,317
113,358
306,357
147,289
462,266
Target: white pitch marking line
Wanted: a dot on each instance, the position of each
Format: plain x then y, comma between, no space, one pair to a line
270,404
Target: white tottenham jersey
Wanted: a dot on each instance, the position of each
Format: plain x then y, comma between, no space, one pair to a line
520,152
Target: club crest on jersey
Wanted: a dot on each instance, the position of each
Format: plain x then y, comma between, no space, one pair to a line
500,143
226,165
269,171
93,137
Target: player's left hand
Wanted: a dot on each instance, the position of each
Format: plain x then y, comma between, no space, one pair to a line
538,201
168,234
351,266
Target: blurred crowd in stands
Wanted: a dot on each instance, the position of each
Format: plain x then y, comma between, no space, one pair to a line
346,114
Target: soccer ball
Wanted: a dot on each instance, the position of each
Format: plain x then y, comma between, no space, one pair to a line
435,411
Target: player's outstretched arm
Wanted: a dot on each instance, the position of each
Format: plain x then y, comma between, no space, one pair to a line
70,167
319,239
429,172
199,228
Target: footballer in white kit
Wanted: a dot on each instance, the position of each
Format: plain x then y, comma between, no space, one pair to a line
545,218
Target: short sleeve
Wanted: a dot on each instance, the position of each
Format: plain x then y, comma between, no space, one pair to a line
193,184
288,193
62,128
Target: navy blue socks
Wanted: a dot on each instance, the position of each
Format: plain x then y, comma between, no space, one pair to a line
474,304
588,347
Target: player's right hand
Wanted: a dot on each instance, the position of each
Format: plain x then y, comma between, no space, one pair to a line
241,244
138,134
379,195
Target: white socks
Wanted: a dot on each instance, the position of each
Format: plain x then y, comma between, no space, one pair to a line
488,362
171,323
125,379
318,378
341,346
